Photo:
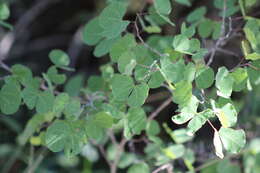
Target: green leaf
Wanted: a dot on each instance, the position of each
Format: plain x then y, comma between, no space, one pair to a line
139,167
138,95
59,57
253,73
122,86
233,140
74,85
111,20
92,32
227,115
184,2
126,63
155,80
173,72
226,166
205,28
30,96
199,120
136,120
67,136
218,145
74,110
55,77
163,6
253,56
224,82
179,135
104,47
153,128
204,77
45,102
181,43
174,151
126,160
10,98
240,79
103,120
121,46
189,73
22,73
96,83
197,14
182,93
4,11
61,102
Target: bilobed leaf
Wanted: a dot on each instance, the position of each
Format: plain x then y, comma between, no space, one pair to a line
233,140
163,6
173,72
197,14
22,73
30,96
138,95
10,98
126,63
199,120
59,57
218,145
111,20
104,47
67,136
227,115
224,82
103,120
74,85
92,32
240,77
181,43
61,102
122,86
139,167
182,93
136,120
45,102
55,77
73,110
205,28
155,80
204,77
121,46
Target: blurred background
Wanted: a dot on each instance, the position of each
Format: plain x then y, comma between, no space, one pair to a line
42,25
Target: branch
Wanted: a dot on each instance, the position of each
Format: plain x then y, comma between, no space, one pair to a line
160,108
167,166
120,149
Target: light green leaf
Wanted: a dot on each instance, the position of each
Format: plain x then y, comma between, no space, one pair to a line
45,102
180,135
121,46
197,14
181,43
173,72
59,57
74,85
22,73
96,83
122,86
61,102
240,79
136,120
4,11
253,73
30,96
103,120
224,82
253,56
67,136
104,47
92,32
182,93
163,6
155,80
174,151
10,98
205,28
184,2
55,77
153,128
226,166
139,167
204,77
227,115
126,63
138,95
199,120
73,110
218,145
233,140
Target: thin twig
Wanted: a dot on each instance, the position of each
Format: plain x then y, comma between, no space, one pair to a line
160,108
167,166
119,151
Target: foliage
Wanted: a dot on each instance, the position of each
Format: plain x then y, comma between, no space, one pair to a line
82,119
